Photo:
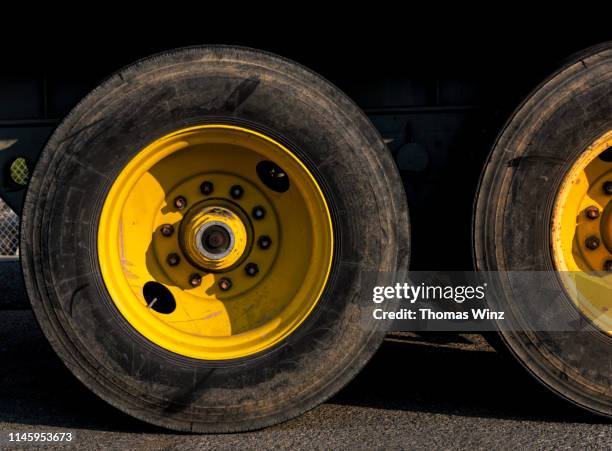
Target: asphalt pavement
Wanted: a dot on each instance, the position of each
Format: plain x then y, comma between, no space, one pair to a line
419,392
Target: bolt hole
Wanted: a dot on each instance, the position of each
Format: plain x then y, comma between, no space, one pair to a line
273,176
606,155
158,298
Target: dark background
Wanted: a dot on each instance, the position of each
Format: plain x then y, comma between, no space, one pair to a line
439,92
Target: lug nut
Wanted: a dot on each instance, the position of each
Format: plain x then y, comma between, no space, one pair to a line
173,259
264,242
607,187
251,269
207,188
180,202
195,280
236,192
167,230
608,266
592,212
225,284
258,212
592,243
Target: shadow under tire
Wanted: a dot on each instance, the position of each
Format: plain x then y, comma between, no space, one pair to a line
241,89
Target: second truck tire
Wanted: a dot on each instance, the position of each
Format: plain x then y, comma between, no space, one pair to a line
542,208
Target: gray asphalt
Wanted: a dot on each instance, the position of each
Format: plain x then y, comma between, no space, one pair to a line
419,392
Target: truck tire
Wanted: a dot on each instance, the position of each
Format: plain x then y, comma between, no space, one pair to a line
196,232
548,171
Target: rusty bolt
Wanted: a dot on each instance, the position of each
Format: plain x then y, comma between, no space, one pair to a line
225,284
207,188
258,212
264,242
167,230
180,202
592,243
592,212
173,259
236,191
251,269
195,280
607,187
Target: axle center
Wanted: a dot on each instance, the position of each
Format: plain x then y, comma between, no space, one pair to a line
215,240
215,235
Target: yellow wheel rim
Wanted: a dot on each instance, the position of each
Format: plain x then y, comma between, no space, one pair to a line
582,232
203,254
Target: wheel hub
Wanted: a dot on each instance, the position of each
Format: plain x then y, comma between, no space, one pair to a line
215,235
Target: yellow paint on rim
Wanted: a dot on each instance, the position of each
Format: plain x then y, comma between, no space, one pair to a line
257,312
583,267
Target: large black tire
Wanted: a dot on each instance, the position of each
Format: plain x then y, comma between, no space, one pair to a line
134,107
512,221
